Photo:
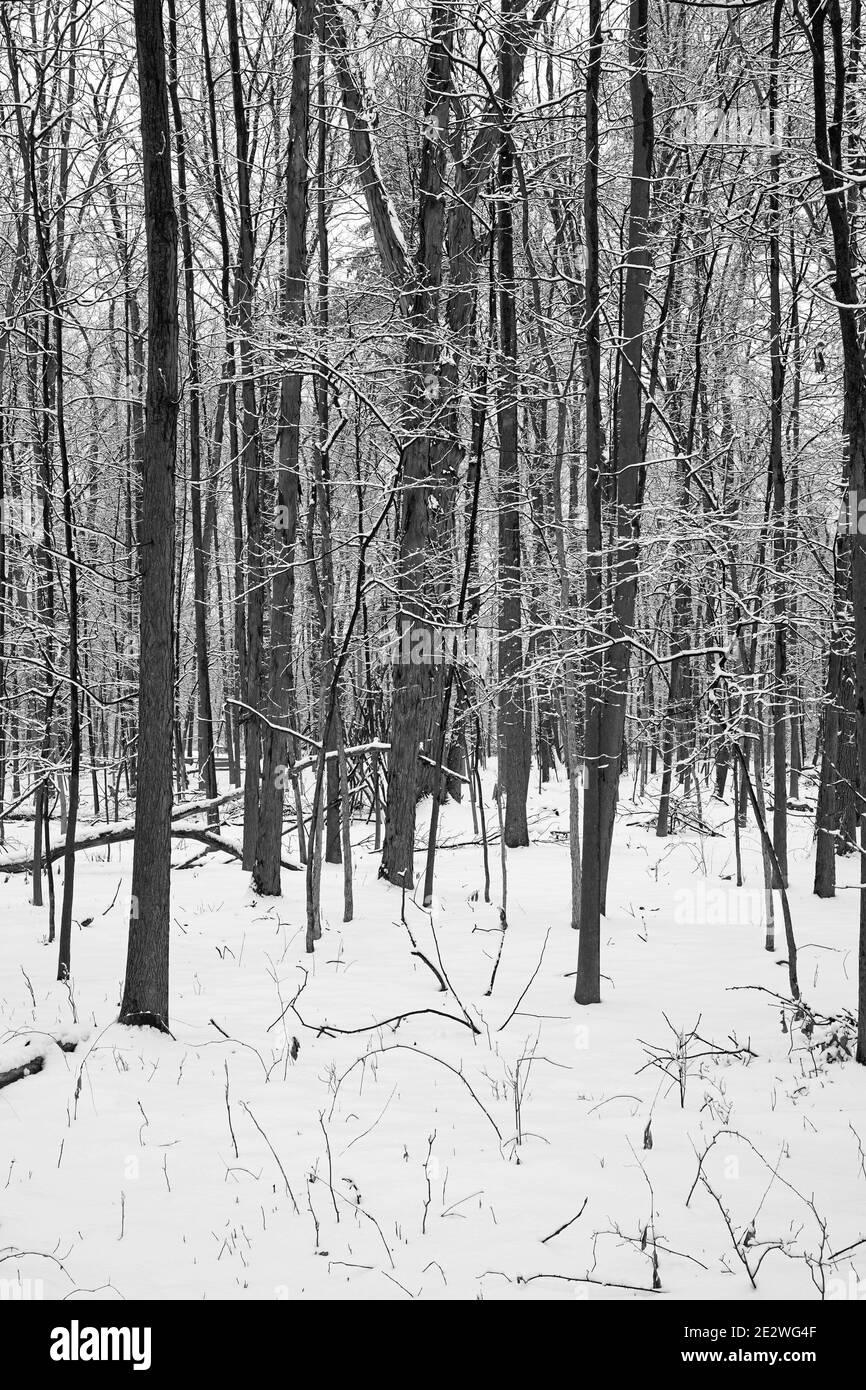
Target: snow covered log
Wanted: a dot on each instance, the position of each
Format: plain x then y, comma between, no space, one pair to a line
108,834
23,1059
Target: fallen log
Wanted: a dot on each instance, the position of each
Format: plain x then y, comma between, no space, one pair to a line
35,1063
125,830
216,842
18,1073
195,808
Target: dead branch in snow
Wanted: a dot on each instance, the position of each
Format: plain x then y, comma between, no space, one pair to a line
528,985
289,1191
565,1225
585,1279
329,1030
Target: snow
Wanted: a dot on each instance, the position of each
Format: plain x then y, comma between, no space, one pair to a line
421,1159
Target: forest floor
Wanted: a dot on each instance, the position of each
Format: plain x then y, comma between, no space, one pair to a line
421,1159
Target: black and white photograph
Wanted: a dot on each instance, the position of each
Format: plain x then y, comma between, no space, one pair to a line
432,671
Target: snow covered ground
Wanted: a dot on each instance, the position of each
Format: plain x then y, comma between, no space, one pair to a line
421,1159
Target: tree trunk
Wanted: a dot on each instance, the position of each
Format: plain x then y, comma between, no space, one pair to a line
145,992
413,676
605,742
205,740
587,987
828,149
777,475
514,712
266,871
826,811
250,451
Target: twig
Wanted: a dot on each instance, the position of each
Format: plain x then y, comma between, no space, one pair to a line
417,1052
565,1225
330,1166
245,1107
528,986
229,1111
585,1279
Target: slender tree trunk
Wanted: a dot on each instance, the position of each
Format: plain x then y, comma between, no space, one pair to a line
514,712
53,271
250,451
587,987
205,741
777,472
828,149
266,870
606,745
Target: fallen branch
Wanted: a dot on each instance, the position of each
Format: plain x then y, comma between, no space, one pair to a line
125,830
289,1191
585,1279
330,1029
528,985
565,1225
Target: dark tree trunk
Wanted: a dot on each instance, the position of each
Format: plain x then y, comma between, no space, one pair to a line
515,741
250,451
412,677
587,987
629,459
777,475
828,149
848,801
826,816
321,571
145,992
604,744
205,740
266,872
228,387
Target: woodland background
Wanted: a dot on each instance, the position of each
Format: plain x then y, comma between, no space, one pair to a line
330,329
